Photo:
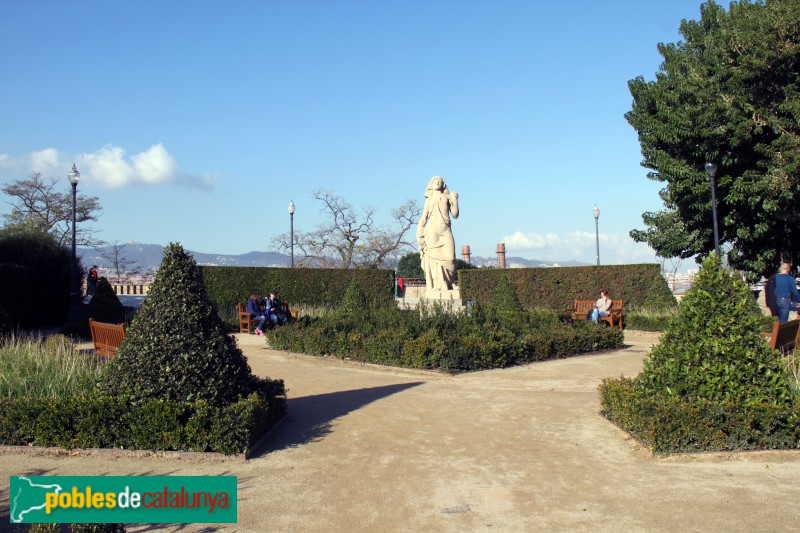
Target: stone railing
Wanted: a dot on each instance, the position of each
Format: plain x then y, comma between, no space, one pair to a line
129,288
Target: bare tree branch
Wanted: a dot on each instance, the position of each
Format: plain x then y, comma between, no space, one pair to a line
351,239
37,206
119,261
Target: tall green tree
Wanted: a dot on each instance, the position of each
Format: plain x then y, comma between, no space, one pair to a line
728,93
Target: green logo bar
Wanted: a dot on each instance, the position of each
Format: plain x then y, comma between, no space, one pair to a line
122,499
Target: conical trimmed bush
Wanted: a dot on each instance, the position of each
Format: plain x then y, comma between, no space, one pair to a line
712,349
177,348
505,296
354,301
105,305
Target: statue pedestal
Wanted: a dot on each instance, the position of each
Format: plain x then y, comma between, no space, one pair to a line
438,295
447,300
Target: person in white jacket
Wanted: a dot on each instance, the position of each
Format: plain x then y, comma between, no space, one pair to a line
601,307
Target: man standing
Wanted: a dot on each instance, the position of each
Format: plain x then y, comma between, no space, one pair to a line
91,281
786,293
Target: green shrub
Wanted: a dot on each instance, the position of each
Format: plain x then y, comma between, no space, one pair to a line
354,301
669,425
105,305
713,349
505,296
35,272
711,383
558,288
434,338
97,421
14,295
227,286
177,347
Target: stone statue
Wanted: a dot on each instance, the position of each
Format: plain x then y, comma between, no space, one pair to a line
437,249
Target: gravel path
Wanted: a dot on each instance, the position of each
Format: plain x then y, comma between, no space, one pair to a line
520,449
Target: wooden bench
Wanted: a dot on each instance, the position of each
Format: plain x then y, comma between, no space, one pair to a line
106,337
784,336
580,310
583,308
247,323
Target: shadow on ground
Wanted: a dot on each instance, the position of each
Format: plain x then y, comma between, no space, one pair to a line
310,418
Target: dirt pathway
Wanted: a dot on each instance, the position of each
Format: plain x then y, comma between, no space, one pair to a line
519,449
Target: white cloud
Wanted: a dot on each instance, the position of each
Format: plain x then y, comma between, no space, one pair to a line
46,161
531,241
578,246
109,167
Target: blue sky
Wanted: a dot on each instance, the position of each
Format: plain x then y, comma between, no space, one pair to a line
198,122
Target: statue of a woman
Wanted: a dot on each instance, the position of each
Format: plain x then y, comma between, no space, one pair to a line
437,249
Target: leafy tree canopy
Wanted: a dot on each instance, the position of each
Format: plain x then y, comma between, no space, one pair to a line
44,205
729,93
409,266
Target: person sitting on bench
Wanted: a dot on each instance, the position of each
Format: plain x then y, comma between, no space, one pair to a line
601,307
275,309
254,308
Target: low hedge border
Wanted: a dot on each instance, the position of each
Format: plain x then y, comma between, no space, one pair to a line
668,426
448,347
95,421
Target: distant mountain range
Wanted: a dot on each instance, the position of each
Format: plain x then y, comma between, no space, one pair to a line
521,262
147,257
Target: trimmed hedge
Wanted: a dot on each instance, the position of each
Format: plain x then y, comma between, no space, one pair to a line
177,348
105,305
557,288
669,425
439,340
711,383
97,421
228,286
44,282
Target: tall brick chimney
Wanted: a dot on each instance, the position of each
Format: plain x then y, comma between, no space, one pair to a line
501,255
465,254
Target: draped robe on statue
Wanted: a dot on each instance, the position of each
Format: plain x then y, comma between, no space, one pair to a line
435,238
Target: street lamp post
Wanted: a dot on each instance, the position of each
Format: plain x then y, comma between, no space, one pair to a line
596,213
711,170
291,229
74,308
